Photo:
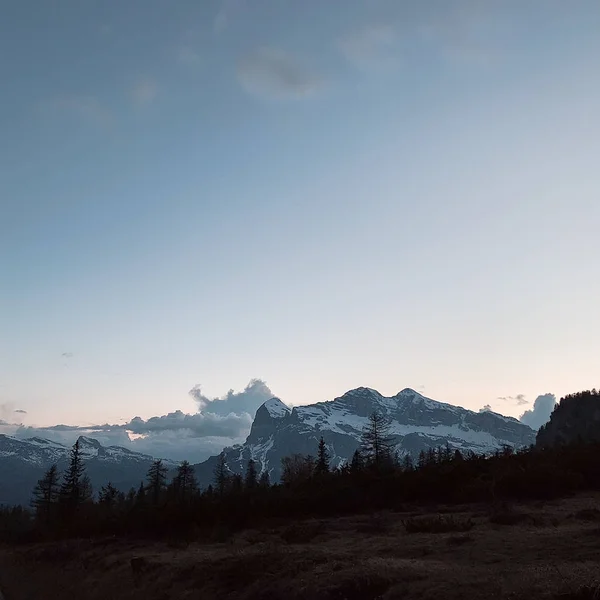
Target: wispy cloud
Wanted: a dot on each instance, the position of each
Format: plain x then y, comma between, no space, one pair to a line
274,74
519,399
144,91
373,47
21,411
227,9
67,355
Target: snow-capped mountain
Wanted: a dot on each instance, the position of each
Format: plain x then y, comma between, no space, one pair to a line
417,423
23,462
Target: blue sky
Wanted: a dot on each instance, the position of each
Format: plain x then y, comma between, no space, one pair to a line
322,195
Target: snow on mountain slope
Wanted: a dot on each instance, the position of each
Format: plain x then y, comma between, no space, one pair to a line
417,423
23,462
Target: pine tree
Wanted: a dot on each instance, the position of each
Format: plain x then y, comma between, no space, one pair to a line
108,496
264,480
87,491
184,483
221,474
322,466
45,494
140,496
376,441
358,462
251,479
157,478
72,490
407,463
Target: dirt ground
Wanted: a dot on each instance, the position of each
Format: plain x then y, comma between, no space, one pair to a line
534,551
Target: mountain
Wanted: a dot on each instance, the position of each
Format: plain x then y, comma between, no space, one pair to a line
417,423
23,462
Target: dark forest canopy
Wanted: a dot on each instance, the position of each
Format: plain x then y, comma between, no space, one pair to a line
576,418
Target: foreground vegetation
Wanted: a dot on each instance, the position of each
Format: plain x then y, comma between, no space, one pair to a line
541,550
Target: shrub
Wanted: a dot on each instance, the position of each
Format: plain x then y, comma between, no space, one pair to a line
437,524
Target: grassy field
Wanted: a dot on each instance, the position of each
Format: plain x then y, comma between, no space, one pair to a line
531,551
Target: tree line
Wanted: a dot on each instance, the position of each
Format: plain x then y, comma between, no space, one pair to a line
375,478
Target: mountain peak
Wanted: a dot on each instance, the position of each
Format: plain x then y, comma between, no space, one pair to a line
276,408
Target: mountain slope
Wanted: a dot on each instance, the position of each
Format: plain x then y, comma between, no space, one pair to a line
418,423
23,462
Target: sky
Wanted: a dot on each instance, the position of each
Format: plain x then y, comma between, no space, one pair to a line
293,198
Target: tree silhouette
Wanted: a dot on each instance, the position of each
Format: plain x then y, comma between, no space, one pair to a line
376,441
73,489
156,478
322,466
108,496
184,483
45,494
264,480
221,474
251,479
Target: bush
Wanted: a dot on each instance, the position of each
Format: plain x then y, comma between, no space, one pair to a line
437,524
301,533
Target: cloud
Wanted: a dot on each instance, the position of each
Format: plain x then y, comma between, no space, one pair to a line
219,422
540,413
198,425
372,47
226,11
485,408
244,402
67,355
273,74
21,412
144,91
519,399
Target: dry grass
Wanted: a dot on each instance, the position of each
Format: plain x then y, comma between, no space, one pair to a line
551,554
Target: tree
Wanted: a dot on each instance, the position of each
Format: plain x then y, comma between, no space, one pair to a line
45,494
139,497
264,480
376,441
221,474
407,463
184,483
357,463
251,479
73,489
296,469
108,496
322,466
156,478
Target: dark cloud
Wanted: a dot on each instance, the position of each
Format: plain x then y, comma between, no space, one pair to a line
198,425
274,74
21,412
245,402
519,399
541,411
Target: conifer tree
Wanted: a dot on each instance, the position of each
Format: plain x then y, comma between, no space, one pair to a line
251,479
156,478
73,489
108,496
322,466
221,474
357,464
376,441
184,483
45,494
264,481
